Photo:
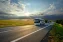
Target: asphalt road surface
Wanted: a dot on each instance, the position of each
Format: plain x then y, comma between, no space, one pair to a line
29,33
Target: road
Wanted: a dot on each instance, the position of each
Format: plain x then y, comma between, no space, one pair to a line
29,33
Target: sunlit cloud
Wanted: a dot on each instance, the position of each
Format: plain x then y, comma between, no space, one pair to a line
13,8
50,8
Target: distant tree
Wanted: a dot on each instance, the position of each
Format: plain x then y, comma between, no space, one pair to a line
46,21
59,21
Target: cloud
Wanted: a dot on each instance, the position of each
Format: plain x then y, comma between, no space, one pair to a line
23,6
11,9
19,9
6,6
50,8
53,10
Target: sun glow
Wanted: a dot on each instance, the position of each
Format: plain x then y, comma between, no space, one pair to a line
21,13
27,14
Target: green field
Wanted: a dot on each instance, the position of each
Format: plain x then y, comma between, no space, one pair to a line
22,22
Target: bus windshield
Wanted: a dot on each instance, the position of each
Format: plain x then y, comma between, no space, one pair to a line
37,21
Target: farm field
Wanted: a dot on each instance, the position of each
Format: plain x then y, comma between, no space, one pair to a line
16,22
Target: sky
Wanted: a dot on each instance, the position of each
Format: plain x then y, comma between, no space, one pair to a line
13,8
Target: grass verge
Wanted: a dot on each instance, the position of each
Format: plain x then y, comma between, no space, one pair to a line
57,32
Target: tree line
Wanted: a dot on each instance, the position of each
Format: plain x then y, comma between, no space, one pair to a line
59,21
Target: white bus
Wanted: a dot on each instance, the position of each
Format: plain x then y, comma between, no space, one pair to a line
39,21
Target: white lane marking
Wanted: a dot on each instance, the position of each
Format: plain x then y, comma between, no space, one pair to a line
29,34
